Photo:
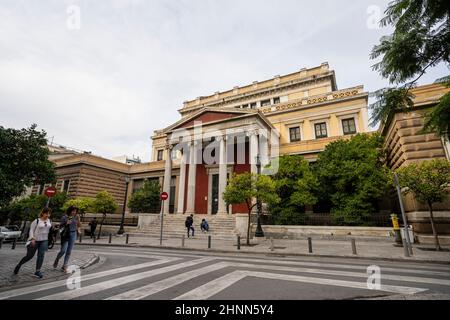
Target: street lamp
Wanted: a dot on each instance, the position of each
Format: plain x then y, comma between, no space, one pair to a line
259,233
121,230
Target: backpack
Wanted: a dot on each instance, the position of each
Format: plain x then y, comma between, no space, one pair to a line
187,223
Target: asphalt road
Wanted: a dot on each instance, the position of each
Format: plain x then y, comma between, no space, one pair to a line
138,273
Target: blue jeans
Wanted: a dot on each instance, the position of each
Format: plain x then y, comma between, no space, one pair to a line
39,246
66,248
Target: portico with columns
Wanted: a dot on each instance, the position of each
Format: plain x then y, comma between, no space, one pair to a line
208,147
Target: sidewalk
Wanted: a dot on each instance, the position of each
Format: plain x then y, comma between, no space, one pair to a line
326,248
9,259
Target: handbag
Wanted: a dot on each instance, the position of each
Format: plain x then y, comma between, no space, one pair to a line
29,241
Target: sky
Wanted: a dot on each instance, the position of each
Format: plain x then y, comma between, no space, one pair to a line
102,75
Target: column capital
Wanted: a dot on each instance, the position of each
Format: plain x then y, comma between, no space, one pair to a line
252,132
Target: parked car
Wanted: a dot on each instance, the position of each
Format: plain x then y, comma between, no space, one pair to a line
7,234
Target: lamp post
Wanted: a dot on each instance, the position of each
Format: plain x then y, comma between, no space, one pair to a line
121,230
259,233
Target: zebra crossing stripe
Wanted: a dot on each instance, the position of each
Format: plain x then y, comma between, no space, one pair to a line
214,287
104,285
60,283
152,288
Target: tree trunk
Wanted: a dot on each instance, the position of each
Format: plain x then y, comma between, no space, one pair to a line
248,227
436,239
101,224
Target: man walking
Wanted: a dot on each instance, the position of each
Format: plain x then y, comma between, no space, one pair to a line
189,223
93,225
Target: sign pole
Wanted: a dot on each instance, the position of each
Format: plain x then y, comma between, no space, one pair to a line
164,197
407,245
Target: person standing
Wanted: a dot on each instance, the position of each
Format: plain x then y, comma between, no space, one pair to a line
37,241
93,225
69,226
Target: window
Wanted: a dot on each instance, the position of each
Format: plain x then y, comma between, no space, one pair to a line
253,105
321,130
294,134
265,103
348,126
276,100
160,155
245,106
66,186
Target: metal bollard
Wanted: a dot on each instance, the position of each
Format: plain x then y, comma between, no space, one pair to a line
354,246
239,242
182,241
271,244
110,238
128,237
81,238
14,244
94,239
310,245
209,242
1,243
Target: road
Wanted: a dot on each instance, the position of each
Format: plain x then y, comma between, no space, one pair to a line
158,274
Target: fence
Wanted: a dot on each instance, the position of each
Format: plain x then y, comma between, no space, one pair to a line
113,219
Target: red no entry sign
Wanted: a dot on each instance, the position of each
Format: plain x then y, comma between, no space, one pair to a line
164,196
50,192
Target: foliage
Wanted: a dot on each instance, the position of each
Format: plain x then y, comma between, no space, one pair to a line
242,188
352,176
28,208
83,204
420,40
429,181
438,120
23,162
295,185
104,203
388,101
146,200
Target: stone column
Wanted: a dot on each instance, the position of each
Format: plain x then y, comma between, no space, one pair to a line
253,150
167,178
222,210
190,209
182,184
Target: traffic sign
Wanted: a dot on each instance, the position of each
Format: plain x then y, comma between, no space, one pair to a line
50,192
164,196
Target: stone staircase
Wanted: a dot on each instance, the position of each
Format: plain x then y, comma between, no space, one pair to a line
220,227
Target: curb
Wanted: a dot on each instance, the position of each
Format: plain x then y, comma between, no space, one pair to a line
275,254
95,259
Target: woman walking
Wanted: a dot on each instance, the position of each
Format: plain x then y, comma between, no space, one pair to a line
37,241
70,223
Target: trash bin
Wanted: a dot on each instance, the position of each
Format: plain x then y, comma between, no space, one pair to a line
410,232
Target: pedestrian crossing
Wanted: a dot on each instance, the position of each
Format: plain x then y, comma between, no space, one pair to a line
191,276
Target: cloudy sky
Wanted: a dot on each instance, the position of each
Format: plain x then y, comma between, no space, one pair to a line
102,75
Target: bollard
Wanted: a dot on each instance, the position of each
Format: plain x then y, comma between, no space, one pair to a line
128,236
354,246
239,243
1,243
110,238
94,238
271,244
209,242
81,238
14,244
310,245
182,241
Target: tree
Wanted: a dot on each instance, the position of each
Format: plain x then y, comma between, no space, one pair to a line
353,177
245,187
83,204
104,203
23,162
429,181
146,199
420,41
295,184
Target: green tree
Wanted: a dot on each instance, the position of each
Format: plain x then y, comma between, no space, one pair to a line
420,41
295,185
104,203
245,187
146,200
23,162
429,181
83,204
353,177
